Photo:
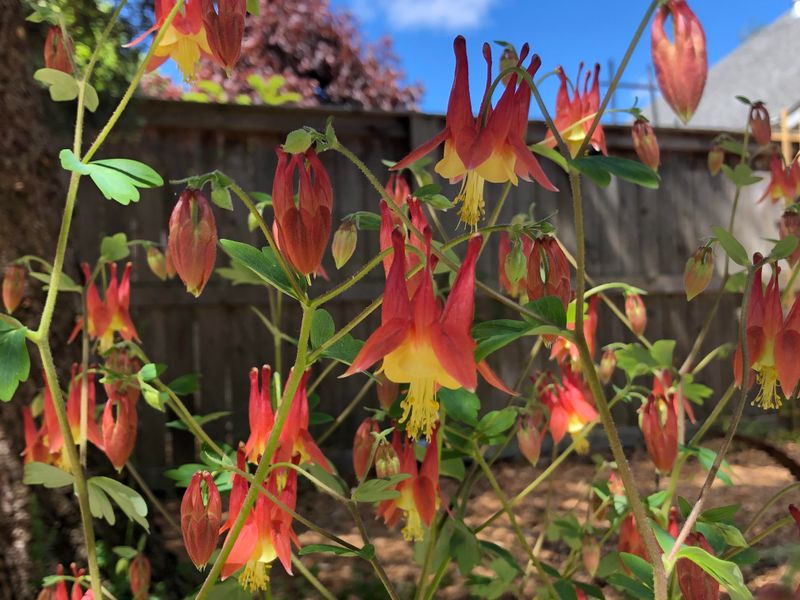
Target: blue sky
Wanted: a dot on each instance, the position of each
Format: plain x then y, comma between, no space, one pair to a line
560,31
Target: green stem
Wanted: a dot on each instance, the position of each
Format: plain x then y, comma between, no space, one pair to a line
321,377
315,583
180,410
379,571
355,278
590,374
151,496
272,443
790,284
780,494
757,538
346,412
84,414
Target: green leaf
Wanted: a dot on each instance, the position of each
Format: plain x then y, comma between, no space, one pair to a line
741,175
464,547
493,335
437,201
99,505
344,350
732,246
784,247
460,405
69,162
635,360
200,419
725,572
90,99
15,365
260,262
153,397
736,282
365,220
128,500
551,154
117,178
662,351
253,8
634,588
377,490
427,190
641,569
551,309
599,168
221,196
114,247
185,384
182,475
731,535
62,86
720,513
125,552
367,552
496,422
329,479
322,327
38,473
150,371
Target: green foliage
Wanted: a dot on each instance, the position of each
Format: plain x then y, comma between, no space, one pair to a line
15,364
600,168
117,178
733,247
261,263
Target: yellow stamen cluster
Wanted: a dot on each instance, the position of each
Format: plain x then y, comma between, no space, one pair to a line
471,195
420,408
255,576
413,531
767,378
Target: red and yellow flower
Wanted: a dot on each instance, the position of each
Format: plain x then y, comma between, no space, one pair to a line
574,115
74,407
659,423
548,271
296,443
119,430
362,446
783,183
35,448
260,414
570,407
490,147
565,352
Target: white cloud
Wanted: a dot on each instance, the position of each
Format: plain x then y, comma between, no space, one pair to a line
448,15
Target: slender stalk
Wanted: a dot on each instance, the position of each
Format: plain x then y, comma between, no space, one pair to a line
134,472
590,374
84,413
346,412
180,410
321,377
272,443
379,571
780,494
355,278
720,406
790,284
757,538
311,578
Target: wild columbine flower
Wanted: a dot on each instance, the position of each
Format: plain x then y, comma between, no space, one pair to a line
645,143
574,115
296,442
659,423
630,540
120,374
790,225
419,493
529,438
564,351
397,187
119,430
680,60
185,41
548,271
698,272
570,406
303,227
157,262
389,222
13,287
57,591
139,576
193,240
693,581
783,184
421,344
362,446
57,51
773,344
760,127
35,448
260,414
201,517
77,590
111,314
662,387
51,427
224,29
636,313
716,157
74,407
491,147
608,362
513,264
267,532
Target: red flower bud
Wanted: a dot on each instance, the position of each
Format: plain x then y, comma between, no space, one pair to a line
608,362
698,271
659,423
645,143
57,51
694,582
548,271
630,540
224,30
760,127
681,63
636,313
193,240
13,287
716,157
139,577
790,225
362,447
303,229
387,462
590,553
397,188
387,391
201,516
529,439
157,262
344,243
119,434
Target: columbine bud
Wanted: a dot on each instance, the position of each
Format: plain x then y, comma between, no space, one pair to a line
659,424
789,225
57,51
13,287
716,157
516,264
387,463
508,59
529,439
224,30
139,577
193,240
694,582
157,262
681,62
630,540
548,271
759,123
698,271
362,447
608,363
119,434
201,515
636,313
590,553
344,243
387,391
645,143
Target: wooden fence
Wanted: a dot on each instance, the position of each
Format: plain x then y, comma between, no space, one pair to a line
635,235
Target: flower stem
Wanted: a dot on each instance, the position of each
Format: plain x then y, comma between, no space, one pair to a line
312,579
379,571
347,410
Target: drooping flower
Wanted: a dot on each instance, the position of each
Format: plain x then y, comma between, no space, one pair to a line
570,407
636,313
185,40
663,388
296,442
119,430
224,29
362,446
645,143
397,187
698,272
782,184
773,344
630,540
304,227
57,51
566,352
681,63
57,591
201,516
419,493
120,374
51,427
139,576
193,240
548,271
574,115
74,407
659,423
760,127
260,414
389,222
513,264
35,448
693,581
529,438
77,590
13,287
490,147
790,225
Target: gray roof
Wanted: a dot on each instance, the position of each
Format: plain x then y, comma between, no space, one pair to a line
765,67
